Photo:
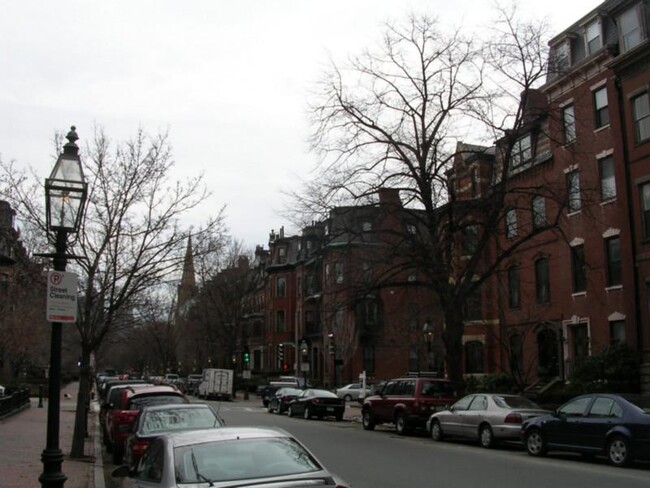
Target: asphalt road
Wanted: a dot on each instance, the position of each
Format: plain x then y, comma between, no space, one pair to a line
382,459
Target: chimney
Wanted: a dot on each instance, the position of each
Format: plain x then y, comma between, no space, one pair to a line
389,197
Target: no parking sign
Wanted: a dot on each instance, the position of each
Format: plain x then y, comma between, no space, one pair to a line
61,296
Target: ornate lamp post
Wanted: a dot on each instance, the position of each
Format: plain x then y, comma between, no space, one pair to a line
65,196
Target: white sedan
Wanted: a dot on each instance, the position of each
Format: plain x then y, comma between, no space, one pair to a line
351,392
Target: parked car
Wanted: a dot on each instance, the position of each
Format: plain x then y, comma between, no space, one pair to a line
192,384
134,398
155,420
267,391
112,401
320,403
352,392
407,402
279,402
229,457
617,426
486,417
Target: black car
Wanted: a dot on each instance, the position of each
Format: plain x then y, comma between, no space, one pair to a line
279,402
617,426
319,403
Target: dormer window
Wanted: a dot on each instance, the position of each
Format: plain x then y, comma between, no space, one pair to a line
629,25
561,57
522,151
282,254
593,36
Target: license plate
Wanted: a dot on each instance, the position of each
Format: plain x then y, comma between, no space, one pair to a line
330,409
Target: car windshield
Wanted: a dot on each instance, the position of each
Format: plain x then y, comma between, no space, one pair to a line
178,419
640,402
241,459
323,394
288,391
514,402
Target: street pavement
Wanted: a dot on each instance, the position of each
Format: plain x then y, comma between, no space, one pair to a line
23,437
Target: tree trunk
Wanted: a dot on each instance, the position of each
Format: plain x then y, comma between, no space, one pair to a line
453,338
83,406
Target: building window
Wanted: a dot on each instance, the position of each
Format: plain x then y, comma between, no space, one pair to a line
561,59
601,108
542,281
366,226
511,223
514,298
641,111
474,357
282,255
369,359
569,119
592,37
280,325
474,183
470,240
281,287
338,272
539,211
522,151
613,256
573,191
645,209
607,179
630,29
617,332
578,268
4,284
472,309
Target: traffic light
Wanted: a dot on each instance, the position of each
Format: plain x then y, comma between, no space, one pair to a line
247,356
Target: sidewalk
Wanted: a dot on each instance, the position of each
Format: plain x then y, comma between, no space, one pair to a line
23,438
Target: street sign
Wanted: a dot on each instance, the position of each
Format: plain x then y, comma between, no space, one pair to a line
61,297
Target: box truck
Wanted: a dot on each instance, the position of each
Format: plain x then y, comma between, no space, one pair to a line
216,383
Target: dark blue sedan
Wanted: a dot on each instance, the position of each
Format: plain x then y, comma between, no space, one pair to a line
617,426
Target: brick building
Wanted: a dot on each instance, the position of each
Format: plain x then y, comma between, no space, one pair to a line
583,152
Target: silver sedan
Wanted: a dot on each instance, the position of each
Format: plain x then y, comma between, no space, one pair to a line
228,457
484,417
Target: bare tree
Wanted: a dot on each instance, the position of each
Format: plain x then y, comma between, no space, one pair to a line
131,239
396,118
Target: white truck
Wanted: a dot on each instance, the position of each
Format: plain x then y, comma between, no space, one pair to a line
216,383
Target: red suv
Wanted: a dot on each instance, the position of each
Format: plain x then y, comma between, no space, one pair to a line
407,402
119,421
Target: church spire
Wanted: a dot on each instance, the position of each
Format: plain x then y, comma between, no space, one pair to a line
187,288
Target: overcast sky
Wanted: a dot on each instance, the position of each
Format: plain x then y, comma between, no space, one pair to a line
229,80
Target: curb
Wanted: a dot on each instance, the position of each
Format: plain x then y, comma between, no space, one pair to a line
98,469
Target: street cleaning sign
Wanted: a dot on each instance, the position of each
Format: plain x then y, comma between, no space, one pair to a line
61,297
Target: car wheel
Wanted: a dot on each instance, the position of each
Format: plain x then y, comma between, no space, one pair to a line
618,451
367,420
306,414
486,436
436,431
535,443
291,413
401,426
347,398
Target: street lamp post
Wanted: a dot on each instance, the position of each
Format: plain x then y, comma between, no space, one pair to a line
65,196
